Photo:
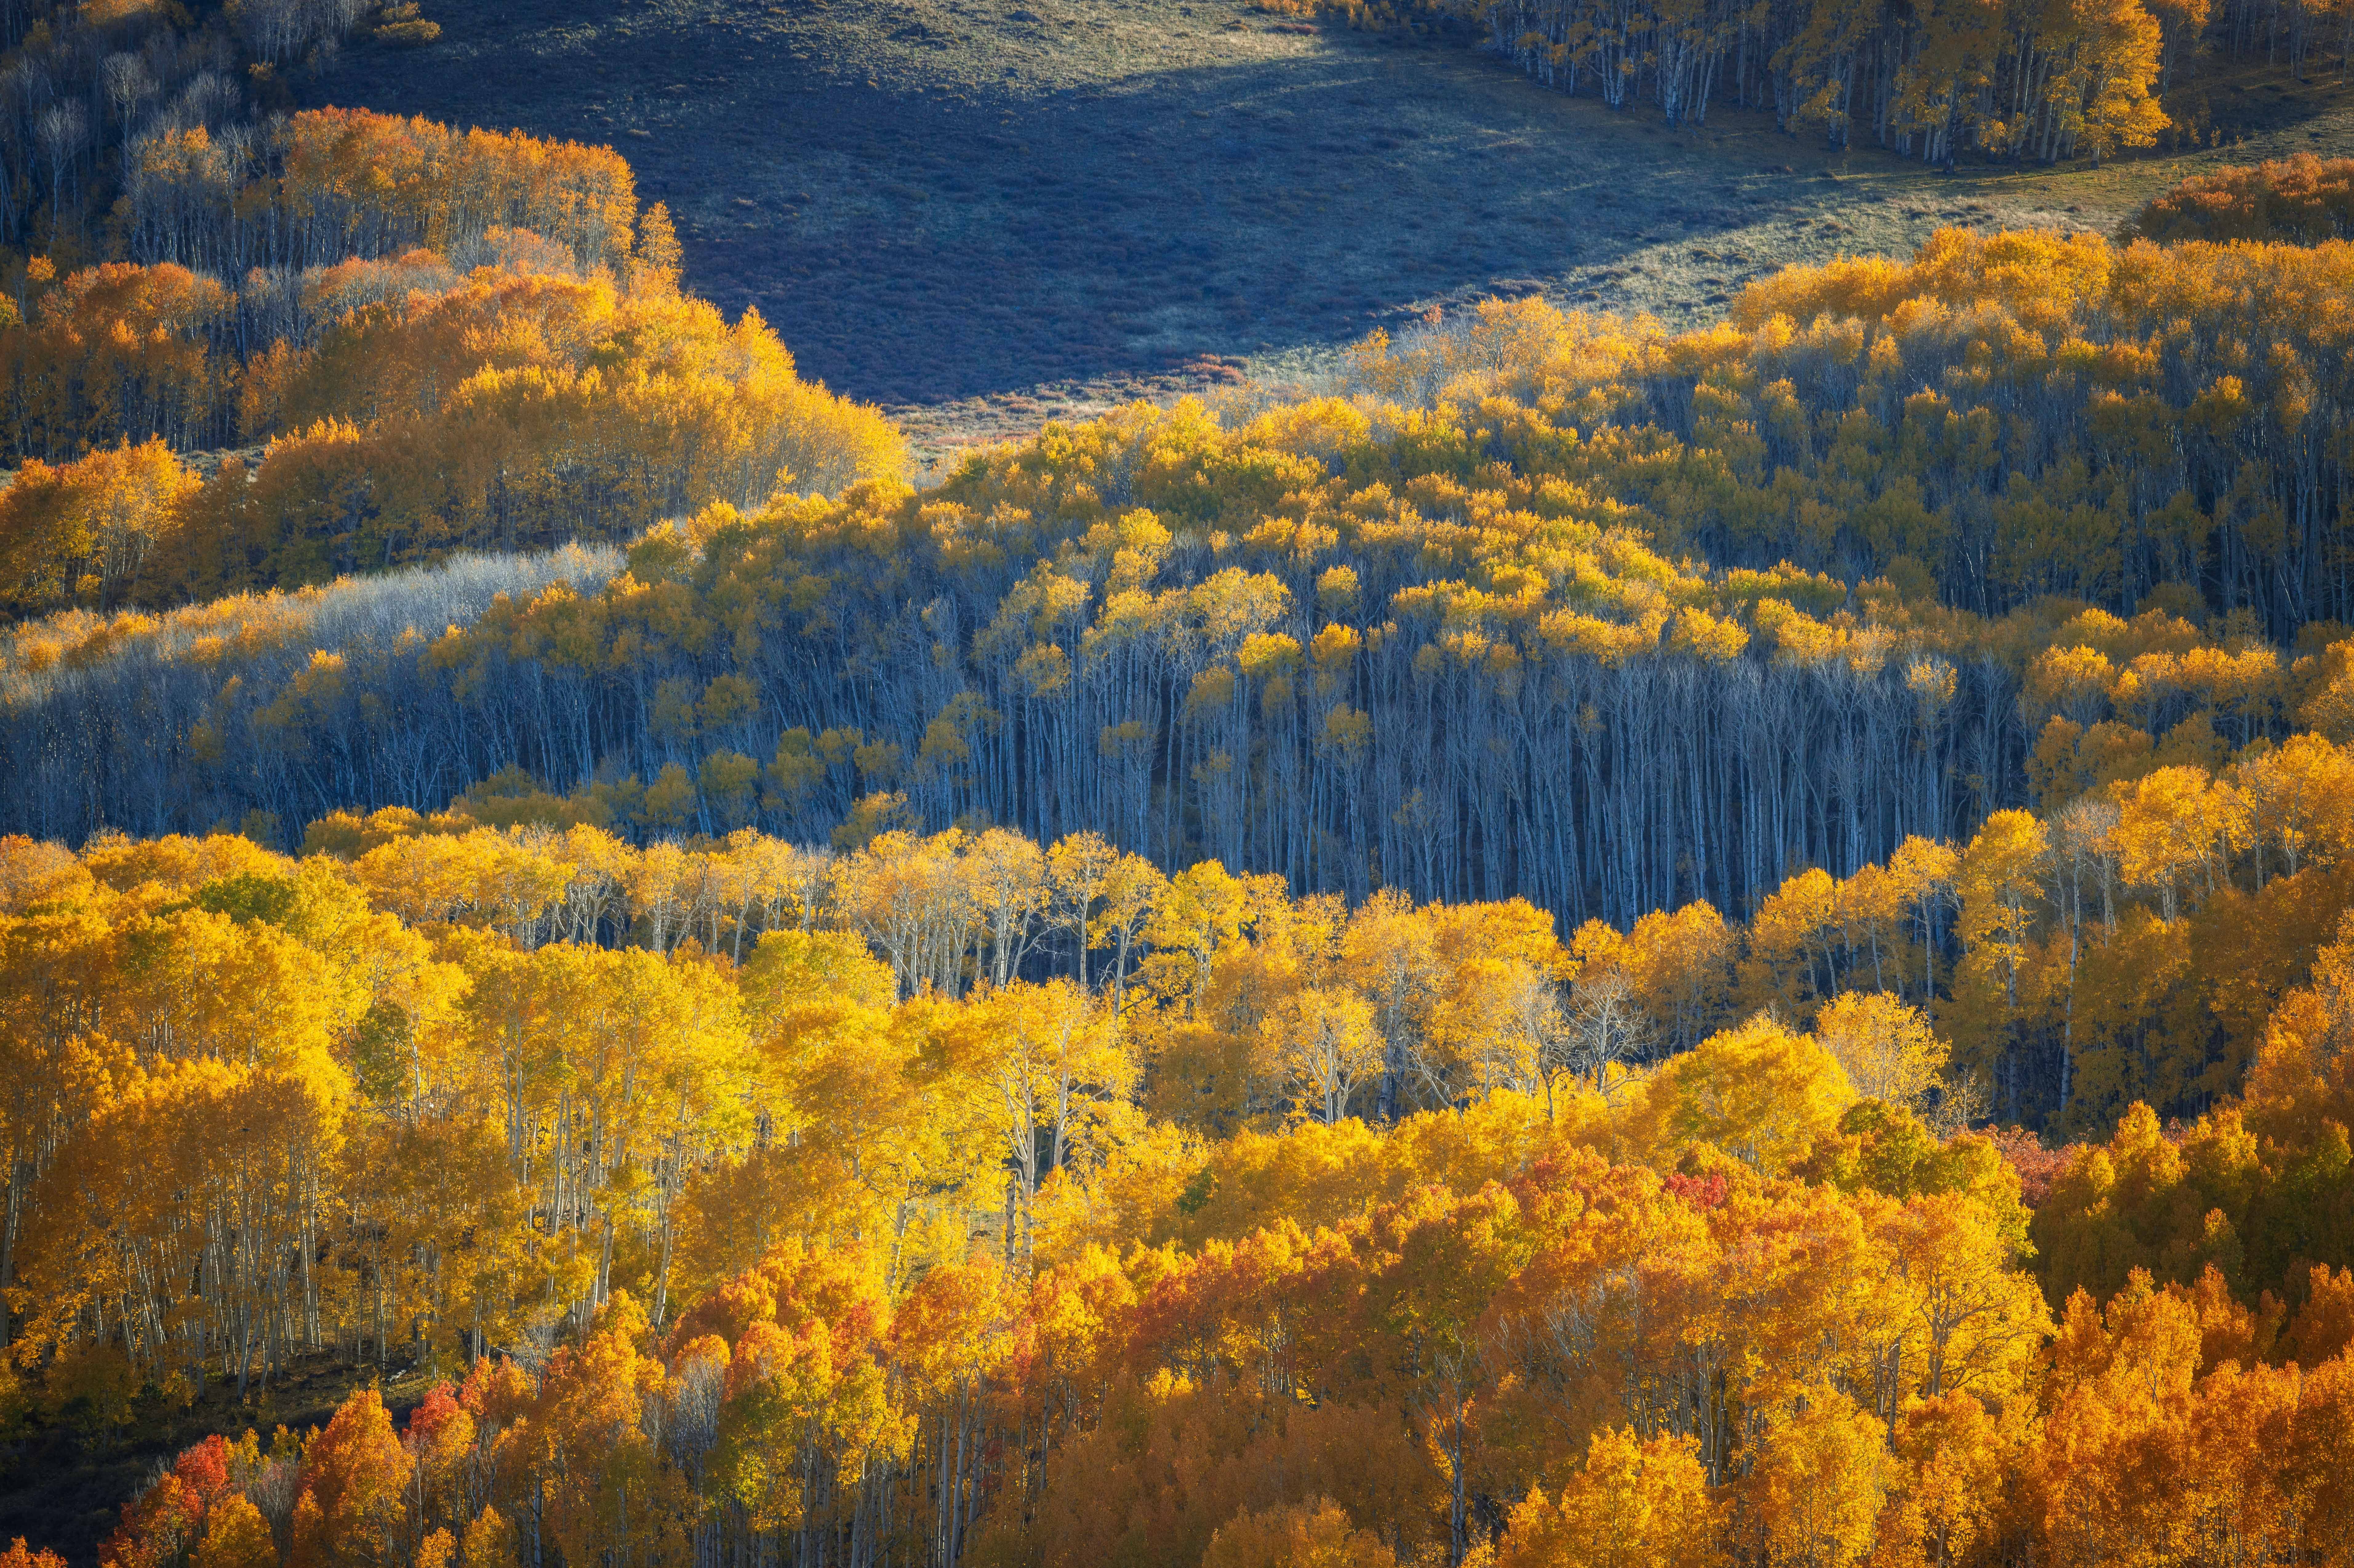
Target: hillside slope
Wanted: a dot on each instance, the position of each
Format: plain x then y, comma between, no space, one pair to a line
987,213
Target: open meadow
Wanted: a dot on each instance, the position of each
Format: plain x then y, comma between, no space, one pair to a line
984,214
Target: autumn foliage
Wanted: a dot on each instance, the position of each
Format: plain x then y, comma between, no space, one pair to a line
2302,199
1594,947
1548,606
442,341
2045,81
889,1186
762,1200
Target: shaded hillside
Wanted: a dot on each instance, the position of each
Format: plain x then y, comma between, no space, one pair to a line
988,214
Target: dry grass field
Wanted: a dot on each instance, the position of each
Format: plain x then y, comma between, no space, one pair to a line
984,214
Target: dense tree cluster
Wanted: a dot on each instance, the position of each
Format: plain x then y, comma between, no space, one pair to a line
242,244
505,409
2043,82
511,387
2012,414
945,1201
2047,80
594,1057
1546,606
326,185
2126,943
2303,199
85,81
88,91
448,339
1399,975
945,657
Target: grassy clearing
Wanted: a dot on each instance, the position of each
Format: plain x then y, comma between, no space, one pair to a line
988,213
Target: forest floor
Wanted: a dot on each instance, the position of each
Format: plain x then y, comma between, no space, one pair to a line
64,1488
984,214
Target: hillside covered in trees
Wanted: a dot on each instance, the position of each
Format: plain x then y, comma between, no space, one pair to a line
438,342
1570,945
2082,79
418,338
1455,968
1547,606
965,1198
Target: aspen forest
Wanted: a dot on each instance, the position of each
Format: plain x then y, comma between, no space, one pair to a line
1536,936
2063,79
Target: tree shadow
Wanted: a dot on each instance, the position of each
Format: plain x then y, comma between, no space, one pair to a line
913,244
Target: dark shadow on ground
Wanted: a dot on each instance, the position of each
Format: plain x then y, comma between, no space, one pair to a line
1098,209
984,212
